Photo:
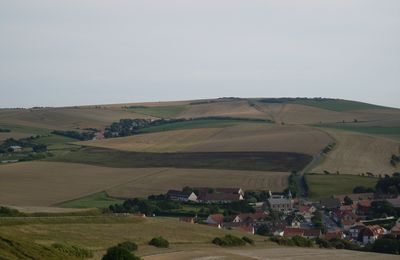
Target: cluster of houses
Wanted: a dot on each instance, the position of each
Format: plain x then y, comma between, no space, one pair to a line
340,220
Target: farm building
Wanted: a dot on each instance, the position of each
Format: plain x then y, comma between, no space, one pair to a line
215,219
220,195
181,196
15,148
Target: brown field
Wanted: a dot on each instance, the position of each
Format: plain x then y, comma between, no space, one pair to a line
15,135
357,153
49,183
63,118
269,253
178,178
245,137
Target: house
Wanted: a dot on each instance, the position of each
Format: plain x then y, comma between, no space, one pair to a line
395,202
312,233
334,234
345,217
250,217
187,220
220,195
355,197
245,229
363,207
215,219
348,208
395,230
15,148
355,229
371,233
307,211
302,232
330,203
181,196
280,202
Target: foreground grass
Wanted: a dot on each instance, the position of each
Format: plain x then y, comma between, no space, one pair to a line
259,161
326,185
98,200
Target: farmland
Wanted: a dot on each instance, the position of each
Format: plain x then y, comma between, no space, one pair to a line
326,185
49,183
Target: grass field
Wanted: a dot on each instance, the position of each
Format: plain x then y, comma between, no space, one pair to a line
258,161
378,130
43,184
326,185
241,137
158,111
98,200
357,153
337,104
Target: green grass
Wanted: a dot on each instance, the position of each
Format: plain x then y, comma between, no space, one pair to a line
379,130
336,104
199,123
26,129
326,185
258,161
98,200
158,111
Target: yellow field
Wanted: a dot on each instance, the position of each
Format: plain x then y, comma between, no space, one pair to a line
246,137
48,183
359,153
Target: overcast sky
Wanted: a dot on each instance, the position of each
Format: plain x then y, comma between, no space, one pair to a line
55,53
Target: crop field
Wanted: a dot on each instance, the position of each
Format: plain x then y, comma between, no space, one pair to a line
50,183
177,178
357,153
158,111
258,161
252,136
98,200
378,130
338,105
326,185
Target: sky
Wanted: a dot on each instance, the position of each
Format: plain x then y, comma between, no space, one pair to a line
75,52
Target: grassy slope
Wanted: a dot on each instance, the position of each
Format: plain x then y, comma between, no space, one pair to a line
323,185
158,111
337,104
12,248
97,200
262,161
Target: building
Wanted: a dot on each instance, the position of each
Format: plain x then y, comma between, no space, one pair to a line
220,195
355,197
395,202
280,202
330,203
250,217
310,233
215,219
187,220
249,229
354,230
181,196
334,234
369,234
307,211
15,148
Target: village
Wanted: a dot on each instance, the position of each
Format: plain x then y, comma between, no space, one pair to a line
347,217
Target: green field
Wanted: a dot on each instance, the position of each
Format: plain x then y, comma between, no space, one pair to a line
258,161
336,104
158,111
25,129
200,123
326,185
379,130
98,200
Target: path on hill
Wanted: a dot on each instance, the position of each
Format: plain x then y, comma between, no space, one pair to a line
301,181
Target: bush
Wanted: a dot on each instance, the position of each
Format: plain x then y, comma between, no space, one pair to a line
387,245
119,253
248,240
263,230
343,244
228,240
302,241
159,242
72,250
128,245
323,243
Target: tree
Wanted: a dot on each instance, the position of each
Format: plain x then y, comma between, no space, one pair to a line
263,230
348,201
387,246
119,253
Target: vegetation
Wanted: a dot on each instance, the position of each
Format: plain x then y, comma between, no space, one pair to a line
119,253
318,221
388,244
83,136
159,242
98,200
389,184
73,250
378,130
259,161
4,130
362,189
7,212
129,245
395,159
248,240
229,240
295,241
328,148
322,185
158,111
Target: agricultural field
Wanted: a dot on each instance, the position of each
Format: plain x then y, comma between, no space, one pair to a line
357,153
246,136
49,183
98,200
158,111
326,185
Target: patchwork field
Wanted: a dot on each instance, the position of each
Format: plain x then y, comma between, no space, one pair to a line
49,183
326,185
357,153
244,137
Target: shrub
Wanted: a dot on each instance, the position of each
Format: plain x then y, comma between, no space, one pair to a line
248,240
128,245
302,241
228,240
72,250
323,243
119,253
159,242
